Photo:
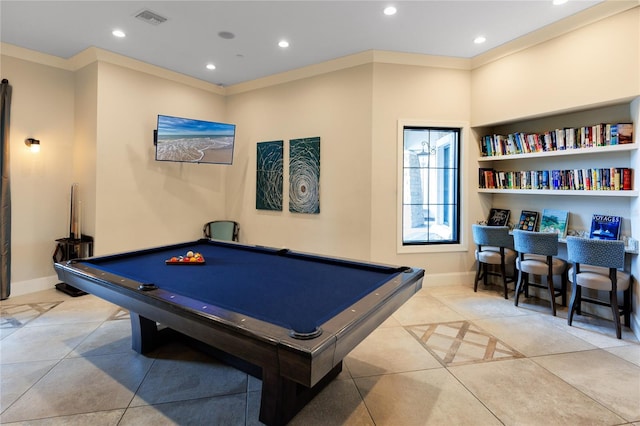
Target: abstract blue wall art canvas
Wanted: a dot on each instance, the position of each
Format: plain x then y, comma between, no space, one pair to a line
269,178
304,175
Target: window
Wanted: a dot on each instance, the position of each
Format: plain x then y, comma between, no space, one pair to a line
431,185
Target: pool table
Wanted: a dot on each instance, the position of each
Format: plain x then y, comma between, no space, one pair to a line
292,316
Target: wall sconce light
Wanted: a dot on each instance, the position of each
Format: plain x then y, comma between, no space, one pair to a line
33,144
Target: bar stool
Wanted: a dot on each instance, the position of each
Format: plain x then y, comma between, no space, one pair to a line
596,265
494,247
536,255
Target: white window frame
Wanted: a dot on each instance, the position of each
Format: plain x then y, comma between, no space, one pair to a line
463,186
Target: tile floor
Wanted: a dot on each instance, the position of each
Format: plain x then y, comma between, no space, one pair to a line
449,356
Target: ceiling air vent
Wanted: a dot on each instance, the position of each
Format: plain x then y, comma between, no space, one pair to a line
150,17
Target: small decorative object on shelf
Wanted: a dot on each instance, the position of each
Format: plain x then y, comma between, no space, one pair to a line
605,227
630,243
528,220
498,217
555,221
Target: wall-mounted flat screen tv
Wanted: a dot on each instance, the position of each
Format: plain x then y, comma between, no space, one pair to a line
194,141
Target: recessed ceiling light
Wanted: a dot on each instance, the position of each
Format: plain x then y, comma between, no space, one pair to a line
227,35
118,33
390,10
211,67
559,2
479,39
283,43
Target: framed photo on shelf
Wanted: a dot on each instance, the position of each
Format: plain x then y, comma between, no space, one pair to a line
605,227
555,221
498,217
528,220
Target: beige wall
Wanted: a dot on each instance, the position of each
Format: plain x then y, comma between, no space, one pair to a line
336,107
96,126
594,65
141,202
84,149
42,107
436,95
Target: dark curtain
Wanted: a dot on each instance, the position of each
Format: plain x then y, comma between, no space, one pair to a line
5,192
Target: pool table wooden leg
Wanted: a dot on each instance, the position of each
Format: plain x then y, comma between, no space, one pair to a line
282,398
144,333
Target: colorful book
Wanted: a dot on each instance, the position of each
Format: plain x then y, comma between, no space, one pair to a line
555,221
605,227
624,133
498,217
528,220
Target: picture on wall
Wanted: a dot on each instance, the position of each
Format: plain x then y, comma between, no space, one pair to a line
269,175
304,175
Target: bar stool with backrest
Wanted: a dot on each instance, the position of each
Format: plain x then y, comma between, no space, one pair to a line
536,256
494,247
596,266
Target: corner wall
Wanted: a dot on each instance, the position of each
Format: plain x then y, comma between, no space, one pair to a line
42,107
141,202
591,66
335,106
437,95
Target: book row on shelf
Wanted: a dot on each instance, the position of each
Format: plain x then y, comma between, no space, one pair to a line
603,179
603,227
557,140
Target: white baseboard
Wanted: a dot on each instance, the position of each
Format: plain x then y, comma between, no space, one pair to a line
20,288
452,278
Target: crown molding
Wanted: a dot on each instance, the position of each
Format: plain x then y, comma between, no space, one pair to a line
93,54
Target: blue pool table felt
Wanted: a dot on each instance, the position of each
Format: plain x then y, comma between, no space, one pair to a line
298,292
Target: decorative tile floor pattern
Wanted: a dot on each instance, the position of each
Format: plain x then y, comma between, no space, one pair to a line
120,314
14,316
462,342
448,356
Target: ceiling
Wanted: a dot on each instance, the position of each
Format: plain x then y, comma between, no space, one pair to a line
316,30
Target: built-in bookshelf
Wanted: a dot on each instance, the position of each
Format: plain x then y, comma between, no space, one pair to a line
523,185
597,141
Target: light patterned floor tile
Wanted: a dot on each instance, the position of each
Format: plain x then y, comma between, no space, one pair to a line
18,378
371,357
228,410
519,391
98,418
183,373
629,353
81,385
619,391
427,397
423,310
51,342
338,404
533,335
